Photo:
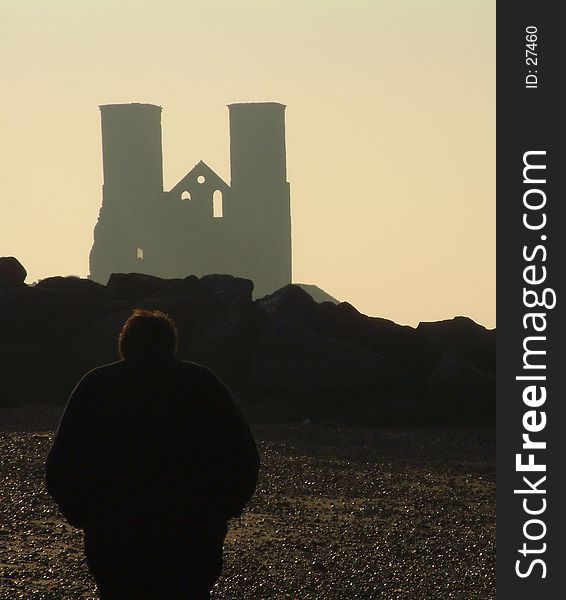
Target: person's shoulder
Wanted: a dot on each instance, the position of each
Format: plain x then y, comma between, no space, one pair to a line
193,369
197,374
205,383
113,367
103,372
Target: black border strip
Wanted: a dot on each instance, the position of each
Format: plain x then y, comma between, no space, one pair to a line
530,119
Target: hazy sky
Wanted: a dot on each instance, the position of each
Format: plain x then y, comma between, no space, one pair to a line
390,131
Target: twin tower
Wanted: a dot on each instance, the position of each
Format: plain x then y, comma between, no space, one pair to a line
202,225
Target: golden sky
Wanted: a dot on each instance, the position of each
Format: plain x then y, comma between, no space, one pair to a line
390,131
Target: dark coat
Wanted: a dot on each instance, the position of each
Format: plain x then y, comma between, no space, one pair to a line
159,439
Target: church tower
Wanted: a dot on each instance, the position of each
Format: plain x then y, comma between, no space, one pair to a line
132,189
260,192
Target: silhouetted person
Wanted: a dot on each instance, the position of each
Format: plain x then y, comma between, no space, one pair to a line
152,458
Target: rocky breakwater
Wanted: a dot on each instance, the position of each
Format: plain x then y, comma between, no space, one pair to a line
286,356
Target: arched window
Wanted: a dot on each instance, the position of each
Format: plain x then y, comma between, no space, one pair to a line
186,196
217,204
139,253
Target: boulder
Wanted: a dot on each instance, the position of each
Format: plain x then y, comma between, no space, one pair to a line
12,272
294,304
29,314
211,289
318,294
460,393
462,337
72,283
227,289
225,340
134,285
39,373
398,343
314,376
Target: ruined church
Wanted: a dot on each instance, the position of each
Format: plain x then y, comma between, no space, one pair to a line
201,225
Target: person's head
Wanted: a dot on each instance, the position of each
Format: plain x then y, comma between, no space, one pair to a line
147,333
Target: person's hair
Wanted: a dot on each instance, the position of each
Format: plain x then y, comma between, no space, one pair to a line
147,333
